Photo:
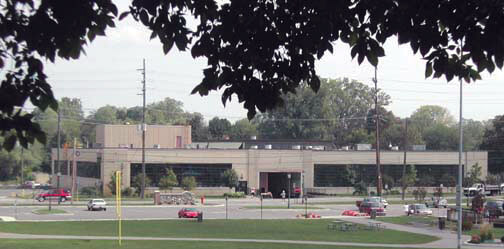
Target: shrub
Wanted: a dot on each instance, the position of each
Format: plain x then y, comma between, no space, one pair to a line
502,239
394,192
235,195
467,223
486,232
188,183
169,181
475,239
129,192
89,191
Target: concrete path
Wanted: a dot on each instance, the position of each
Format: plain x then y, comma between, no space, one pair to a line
447,239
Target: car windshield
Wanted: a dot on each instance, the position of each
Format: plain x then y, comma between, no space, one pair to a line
420,206
98,200
191,209
375,204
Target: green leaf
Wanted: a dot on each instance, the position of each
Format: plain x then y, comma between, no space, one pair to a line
123,15
144,17
9,143
167,46
428,70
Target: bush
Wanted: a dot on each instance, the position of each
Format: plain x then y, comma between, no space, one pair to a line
128,192
467,223
502,239
475,239
89,191
486,232
188,183
235,195
394,192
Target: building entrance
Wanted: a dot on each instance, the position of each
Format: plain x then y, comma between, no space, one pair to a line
275,182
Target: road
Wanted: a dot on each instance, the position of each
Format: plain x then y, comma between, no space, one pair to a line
215,209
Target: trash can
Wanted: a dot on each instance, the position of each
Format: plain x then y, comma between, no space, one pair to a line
373,214
442,223
200,217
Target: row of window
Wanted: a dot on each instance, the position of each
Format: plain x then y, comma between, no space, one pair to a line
335,175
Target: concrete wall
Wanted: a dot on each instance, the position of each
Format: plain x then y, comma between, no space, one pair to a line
115,136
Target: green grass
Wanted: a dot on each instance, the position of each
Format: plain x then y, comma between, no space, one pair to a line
135,244
46,211
315,230
280,207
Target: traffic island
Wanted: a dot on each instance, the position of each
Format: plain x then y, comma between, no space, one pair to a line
47,211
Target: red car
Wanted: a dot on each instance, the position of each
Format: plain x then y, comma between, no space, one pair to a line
188,213
368,207
61,194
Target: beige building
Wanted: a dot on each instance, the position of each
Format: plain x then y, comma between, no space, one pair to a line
262,169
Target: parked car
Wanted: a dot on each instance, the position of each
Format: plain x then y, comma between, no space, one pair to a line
30,184
494,208
97,204
436,202
61,194
188,213
368,207
418,209
378,199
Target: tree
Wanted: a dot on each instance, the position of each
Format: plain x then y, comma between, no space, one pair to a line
441,137
199,130
243,129
188,183
256,57
473,175
473,134
230,178
334,112
112,184
169,181
137,182
426,181
431,115
493,142
408,179
219,128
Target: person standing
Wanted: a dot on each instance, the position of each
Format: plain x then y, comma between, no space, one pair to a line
283,195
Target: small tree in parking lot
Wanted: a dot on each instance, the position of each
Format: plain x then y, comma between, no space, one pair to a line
408,179
188,183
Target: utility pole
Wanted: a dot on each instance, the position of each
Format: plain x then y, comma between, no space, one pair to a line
22,165
460,176
405,149
142,191
377,133
74,169
58,151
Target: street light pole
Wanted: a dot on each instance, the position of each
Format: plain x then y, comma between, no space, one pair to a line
289,191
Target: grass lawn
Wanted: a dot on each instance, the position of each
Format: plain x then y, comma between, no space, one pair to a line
315,230
46,211
405,220
132,244
280,207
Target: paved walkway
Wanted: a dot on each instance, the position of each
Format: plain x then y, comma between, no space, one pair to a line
447,238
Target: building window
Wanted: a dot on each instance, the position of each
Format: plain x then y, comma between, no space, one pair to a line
207,175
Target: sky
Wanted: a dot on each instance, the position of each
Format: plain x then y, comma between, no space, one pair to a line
108,75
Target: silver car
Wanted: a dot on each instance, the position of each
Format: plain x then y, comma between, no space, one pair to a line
97,204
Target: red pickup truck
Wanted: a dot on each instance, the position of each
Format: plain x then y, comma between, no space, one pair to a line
61,194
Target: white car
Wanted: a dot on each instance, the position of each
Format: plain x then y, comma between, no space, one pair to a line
97,204
382,201
418,209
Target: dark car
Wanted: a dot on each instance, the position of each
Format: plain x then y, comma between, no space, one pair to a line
368,207
494,208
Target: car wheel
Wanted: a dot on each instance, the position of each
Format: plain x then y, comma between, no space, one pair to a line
88,209
104,209
63,199
41,199
179,216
